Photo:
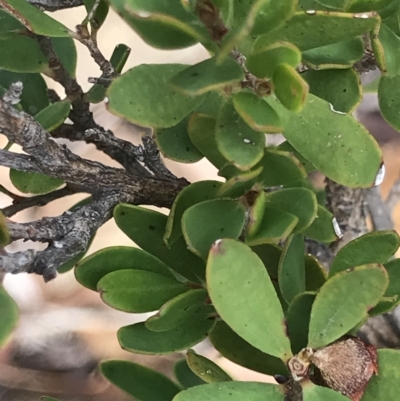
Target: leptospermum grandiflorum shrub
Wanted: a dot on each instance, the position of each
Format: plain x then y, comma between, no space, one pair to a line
228,262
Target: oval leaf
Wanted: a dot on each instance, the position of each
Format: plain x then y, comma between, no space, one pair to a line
234,269
343,301
34,183
53,115
389,100
138,291
323,227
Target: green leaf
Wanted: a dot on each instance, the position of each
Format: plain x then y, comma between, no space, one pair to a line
146,228
301,202
177,310
335,4
201,130
279,168
393,269
298,319
239,184
276,225
232,391
54,115
263,62
239,351
236,141
327,138
4,233
33,183
343,301
101,13
140,340
9,24
318,393
315,274
34,19
131,96
186,378
383,386
291,272
386,45
90,270
374,247
289,87
322,228
189,196
66,51
138,291
22,54
341,88
205,222
143,383
359,6
342,54
234,269
207,76
175,144
162,24
389,100
306,164
385,305
257,113
256,213
206,369
9,315
97,92
34,96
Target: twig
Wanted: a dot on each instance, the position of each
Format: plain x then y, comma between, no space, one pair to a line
379,211
38,200
394,196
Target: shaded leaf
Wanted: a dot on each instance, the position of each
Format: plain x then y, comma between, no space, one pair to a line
315,274
393,269
323,227
389,100
9,315
141,382
34,183
343,301
239,184
53,115
385,305
186,378
234,269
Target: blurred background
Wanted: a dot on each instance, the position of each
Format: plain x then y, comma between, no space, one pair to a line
65,329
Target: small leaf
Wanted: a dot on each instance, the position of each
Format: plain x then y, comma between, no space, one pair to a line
291,272
138,291
143,383
34,183
189,196
146,228
239,184
374,247
322,228
298,319
234,391
34,96
389,100
263,62
140,340
34,19
101,13
279,168
205,222
315,274
383,385
66,51
177,310
318,393
236,141
276,225
257,113
234,269
97,265
393,269
206,369
239,351
131,96
342,54
343,301
186,378
341,88
306,164
317,127
4,233
332,27
175,144
385,305
9,315
118,59
54,115
207,76
289,87
300,202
